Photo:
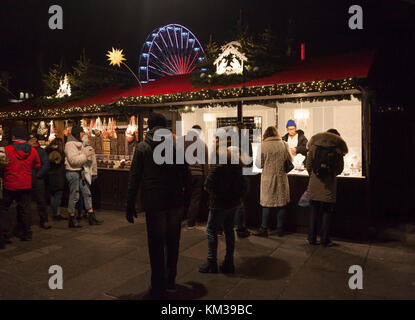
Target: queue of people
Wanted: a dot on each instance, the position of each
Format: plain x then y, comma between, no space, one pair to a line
30,171
163,187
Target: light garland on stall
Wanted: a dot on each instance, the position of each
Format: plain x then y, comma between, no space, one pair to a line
285,89
126,104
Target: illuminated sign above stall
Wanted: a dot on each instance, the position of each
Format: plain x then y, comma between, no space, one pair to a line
231,60
64,88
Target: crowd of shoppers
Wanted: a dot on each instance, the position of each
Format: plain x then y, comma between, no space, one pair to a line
171,191
30,172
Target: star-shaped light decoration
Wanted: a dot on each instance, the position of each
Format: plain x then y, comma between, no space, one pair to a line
115,57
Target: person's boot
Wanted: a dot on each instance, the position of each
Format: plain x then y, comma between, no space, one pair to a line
280,232
2,241
45,225
262,232
227,267
243,233
26,236
73,223
93,219
209,267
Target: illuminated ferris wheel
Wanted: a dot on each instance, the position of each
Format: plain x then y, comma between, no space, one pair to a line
169,50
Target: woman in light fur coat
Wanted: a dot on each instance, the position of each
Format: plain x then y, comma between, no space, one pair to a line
275,190
321,191
76,157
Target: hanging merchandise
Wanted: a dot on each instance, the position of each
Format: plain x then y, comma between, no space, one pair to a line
84,126
66,129
52,131
91,128
42,130
131,129
114,133
109,128
98,127
104,132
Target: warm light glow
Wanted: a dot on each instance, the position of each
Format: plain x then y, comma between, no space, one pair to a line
208,117
231,60
64,88
52,132
115,57
301,114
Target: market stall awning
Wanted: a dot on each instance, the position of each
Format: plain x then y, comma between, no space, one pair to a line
324,68
345,66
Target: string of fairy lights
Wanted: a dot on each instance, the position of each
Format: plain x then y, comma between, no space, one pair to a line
127,104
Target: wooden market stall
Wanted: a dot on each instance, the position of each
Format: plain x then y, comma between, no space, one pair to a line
329,92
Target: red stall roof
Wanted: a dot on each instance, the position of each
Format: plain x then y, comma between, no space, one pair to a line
323,68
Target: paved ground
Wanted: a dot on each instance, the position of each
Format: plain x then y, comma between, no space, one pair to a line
111,262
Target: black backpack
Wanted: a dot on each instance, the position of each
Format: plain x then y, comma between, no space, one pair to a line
325,161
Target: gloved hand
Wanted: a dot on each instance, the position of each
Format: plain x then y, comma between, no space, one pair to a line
130,214
88,151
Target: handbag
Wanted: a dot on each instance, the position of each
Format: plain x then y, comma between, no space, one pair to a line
304,202
288,166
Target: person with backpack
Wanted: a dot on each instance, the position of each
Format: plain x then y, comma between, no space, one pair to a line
324,163
17,183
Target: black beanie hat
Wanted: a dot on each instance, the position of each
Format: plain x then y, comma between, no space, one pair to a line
156,120
76,132
20,133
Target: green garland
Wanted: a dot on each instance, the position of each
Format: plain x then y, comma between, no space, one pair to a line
316,86
128,105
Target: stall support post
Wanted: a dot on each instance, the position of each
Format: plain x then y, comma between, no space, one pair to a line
240,116
140,123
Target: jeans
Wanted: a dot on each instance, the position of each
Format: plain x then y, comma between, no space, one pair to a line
55,201
221,218
22,198
326,210
38,194
163,235
239,218
77,185
266,216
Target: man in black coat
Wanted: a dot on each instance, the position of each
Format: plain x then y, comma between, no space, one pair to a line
296,139
162,193
38,181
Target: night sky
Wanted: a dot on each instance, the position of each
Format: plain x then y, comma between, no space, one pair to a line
29,47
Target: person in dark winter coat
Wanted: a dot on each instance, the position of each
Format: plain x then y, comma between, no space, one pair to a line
297,142
322,190
162,193
56,175
226,187
198,173
38,181
17,183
